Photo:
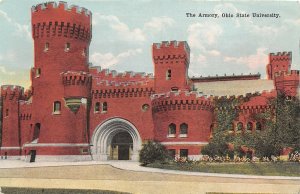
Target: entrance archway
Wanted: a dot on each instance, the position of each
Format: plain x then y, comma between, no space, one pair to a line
116,132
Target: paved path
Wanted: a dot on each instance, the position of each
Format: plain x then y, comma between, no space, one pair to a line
136,179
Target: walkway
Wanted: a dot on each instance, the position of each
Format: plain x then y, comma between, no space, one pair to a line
136,179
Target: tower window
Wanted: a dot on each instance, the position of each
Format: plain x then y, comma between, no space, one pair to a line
6,112
46,46
67,46
183,130
104,107
169,74
56,107
36,132
249,126
97,107
37,72
172,130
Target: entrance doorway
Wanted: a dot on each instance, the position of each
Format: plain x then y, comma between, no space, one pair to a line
121,146
32,155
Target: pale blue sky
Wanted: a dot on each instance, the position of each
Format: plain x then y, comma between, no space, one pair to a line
123,32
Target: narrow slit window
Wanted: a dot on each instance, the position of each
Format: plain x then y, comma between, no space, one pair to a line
67,46
46,46
38,72
169,74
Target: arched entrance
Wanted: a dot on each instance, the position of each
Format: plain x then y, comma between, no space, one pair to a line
116,138
121,146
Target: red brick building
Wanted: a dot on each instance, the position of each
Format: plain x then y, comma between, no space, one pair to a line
74,111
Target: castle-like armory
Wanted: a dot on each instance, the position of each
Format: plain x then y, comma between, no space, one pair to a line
74,111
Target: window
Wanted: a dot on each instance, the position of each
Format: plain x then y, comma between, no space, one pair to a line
104,107
36,132
169,74
172,152
37,72
183,130
67,46
172,130
145,107
46,46
249,126
56,107
97,107
258,126
240,126
184,153
6,112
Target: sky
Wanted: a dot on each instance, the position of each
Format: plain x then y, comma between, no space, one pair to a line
124,30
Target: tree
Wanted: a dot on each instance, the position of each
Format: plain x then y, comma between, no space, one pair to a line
153,152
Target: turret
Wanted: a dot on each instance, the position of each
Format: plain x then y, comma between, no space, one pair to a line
11,137
171,62
280,62
288,83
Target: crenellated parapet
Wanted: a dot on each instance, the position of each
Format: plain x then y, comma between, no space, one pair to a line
280,56
122,90
181,100
114,76
171,52
12,92
288,82
60,20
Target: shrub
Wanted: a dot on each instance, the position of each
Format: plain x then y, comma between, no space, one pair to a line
153,152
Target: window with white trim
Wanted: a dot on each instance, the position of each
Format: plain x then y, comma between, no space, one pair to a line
183,130
172,130
56,107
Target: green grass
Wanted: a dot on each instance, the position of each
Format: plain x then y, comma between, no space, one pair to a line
266,169
15,190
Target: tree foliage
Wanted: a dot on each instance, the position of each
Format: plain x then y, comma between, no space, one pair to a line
281,128
153,152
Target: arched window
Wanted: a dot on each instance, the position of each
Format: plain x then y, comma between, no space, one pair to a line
168,74
240,126
258,126
172,130
56,107
183,130
36,131
104,107
97,106
249,126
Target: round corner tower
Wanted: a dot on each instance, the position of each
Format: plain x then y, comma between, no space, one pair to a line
61,81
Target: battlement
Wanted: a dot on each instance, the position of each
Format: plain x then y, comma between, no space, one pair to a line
11,92
173,50
61,6
181,100
280,56
52,20
76,78
113,75
123,91
294,74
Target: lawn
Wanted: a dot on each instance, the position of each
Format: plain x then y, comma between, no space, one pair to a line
266,169
14,190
